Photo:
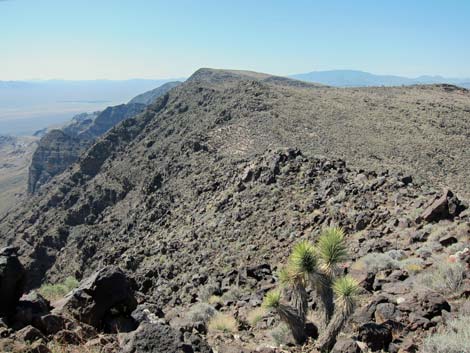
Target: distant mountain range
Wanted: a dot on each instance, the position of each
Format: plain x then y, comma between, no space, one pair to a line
355,78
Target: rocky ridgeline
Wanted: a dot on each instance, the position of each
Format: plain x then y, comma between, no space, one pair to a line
198,198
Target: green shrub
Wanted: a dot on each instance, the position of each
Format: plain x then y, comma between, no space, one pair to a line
53,292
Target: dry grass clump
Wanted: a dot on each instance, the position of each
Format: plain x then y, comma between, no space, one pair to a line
215,299
60,348
255,316
223,323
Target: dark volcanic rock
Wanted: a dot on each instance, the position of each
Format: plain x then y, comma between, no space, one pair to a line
376,336
160,338
12,278
30,309
444,207
105,292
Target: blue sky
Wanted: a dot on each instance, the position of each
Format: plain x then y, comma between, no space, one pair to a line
120,39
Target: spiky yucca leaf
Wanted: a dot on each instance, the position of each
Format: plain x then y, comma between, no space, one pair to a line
346,290
331,248
302,261
272,299
284,276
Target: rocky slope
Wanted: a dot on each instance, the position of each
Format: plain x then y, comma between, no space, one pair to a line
60,148
209,187
15,157
150,96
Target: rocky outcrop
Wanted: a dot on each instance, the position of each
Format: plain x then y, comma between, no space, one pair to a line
161,338
446,206
106,294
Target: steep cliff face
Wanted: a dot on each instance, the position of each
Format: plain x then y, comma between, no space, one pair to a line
55,152
79,135
15,157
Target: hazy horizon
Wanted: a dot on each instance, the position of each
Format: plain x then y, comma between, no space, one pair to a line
156,39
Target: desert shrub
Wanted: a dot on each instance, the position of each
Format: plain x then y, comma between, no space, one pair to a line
412,265
233,294
375,262
201,312
444,277
208,291
57,291
282,335
223,323
255,316
453,338
396,254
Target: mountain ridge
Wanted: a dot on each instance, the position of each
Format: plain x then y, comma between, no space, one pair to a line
357,78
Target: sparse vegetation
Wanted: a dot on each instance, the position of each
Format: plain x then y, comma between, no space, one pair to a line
318,266
445,277
453,338
375,262
53,292
282,335
255,316
223,323
201,312
215,299
61,348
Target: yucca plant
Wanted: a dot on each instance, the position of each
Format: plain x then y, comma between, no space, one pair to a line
318,266
331,251
346,290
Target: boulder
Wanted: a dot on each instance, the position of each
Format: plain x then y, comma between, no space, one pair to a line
376,336
29,334
447,206
50,324
159,338
424,303
346,345
30,309
384,312
12,276
106,291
